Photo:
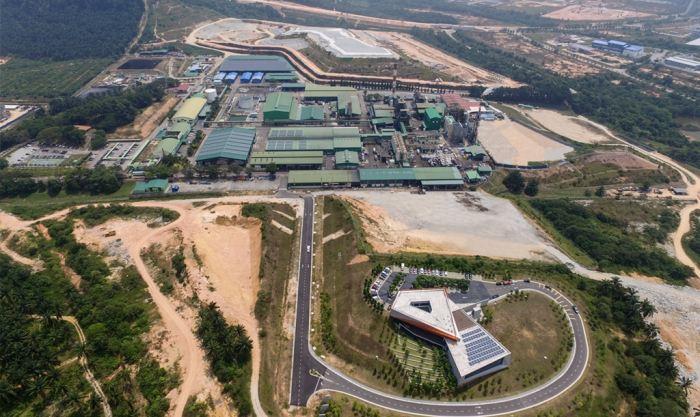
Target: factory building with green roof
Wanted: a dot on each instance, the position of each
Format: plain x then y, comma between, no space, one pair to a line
178,131
280,106
325,178
440,178
326,139
167,146
432,119
288,160
225,146
347,159
152,186
340,97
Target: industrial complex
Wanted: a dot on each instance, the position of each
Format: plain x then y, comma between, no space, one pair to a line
430,315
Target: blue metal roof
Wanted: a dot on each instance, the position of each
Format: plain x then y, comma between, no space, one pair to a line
617,43
220,76
602,43
635,48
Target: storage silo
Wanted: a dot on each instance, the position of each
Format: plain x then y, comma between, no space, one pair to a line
210,94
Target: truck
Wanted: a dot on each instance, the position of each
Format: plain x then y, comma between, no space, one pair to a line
111,233
402,266
506,282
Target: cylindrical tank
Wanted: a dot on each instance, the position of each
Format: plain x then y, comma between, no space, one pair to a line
210,94
245,102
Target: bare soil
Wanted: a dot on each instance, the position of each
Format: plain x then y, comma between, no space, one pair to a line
147,121
574,128
592,12
511,143
444,223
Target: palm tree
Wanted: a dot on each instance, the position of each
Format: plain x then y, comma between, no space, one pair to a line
57,309
37,387
651,330
238,331
647,309
668,369
244,345
616,282
73,399
7,392
685,383
83,350
94,402
667,355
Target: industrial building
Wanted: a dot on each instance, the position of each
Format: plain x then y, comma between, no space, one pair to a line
225,146
476,151
682,63
152,186
288,160
283,77
257,78
326,139
471,350
167,146
280,106
329,179
178,131
293,87
347,159
432,120
246,77
256,63
455,100
618,48
189,111
344,100
231,77
442,178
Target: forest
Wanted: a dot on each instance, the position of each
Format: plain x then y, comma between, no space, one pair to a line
61,30
606,241
34,338
101,180
607,98
101,111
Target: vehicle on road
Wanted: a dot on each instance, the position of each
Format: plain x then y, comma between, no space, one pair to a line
548,287
495,296
526,280
308,249
575,309
507,282
499,283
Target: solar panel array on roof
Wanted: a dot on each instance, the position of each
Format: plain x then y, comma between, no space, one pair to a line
480,346
286,133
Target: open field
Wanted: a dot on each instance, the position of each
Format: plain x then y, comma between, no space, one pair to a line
147,121
25,78
171,20
590,12
512,143
455,223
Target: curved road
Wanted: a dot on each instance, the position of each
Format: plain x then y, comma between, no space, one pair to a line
304,383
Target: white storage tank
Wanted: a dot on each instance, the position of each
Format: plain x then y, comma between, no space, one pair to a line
210,94
245,102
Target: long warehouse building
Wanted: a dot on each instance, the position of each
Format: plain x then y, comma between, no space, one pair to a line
439,178
189,111
327,139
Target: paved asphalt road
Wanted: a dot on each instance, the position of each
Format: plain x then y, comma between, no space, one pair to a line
304,384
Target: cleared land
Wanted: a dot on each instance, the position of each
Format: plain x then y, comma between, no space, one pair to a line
578,128
592,13
512,143
540,56
147,121
448,223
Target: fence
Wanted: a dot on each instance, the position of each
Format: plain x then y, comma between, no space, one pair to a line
529,168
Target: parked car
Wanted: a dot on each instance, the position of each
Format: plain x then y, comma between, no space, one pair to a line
495,296
548,287
575,309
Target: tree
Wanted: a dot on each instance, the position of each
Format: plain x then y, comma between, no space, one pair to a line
99,139
249,171
271,169
514,182
532,188
54,186
685,383
600,192
3,163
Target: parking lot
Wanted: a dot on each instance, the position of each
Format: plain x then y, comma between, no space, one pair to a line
44,155
257,183
478,290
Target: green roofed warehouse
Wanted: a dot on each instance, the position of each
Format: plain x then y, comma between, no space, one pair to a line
225,146
280,106
152,186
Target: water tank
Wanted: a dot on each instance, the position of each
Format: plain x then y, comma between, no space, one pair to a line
245,102
210,94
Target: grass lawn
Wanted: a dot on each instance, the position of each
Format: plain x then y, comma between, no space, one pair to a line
535,332
278,252
361,333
